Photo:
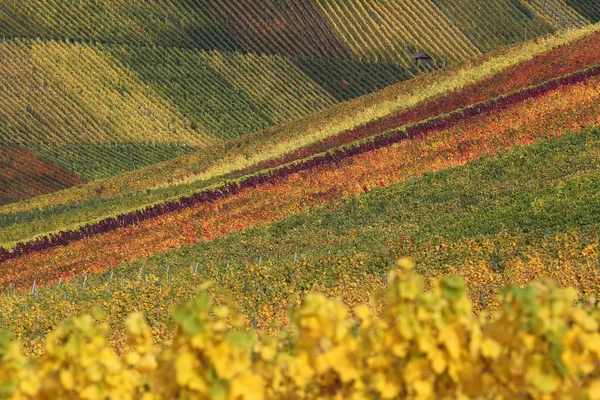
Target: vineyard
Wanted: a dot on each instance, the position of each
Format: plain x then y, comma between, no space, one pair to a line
553,111
118,87
104,199
204,199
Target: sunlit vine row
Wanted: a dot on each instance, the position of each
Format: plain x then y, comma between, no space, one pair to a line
504,23
392,31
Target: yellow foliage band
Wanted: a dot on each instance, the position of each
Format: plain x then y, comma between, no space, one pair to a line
408,343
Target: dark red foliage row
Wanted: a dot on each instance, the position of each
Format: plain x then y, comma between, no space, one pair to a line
333,156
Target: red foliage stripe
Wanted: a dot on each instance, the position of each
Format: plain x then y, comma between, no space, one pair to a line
63,238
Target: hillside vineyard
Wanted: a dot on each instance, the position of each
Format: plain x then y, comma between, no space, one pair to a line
300,199
114,86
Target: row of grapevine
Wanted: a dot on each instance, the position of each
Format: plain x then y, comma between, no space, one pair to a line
557,13
493,23
287,28
24,175
392,31
589,9
236,206
347,78
182,23
98,161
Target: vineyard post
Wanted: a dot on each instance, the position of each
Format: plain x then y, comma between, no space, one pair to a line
482,299
83,284
196,268
33,287
295,257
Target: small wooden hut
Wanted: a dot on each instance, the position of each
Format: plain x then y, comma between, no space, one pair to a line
422,58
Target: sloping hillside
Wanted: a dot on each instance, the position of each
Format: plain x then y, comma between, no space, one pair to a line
420,99
545,101
115,86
